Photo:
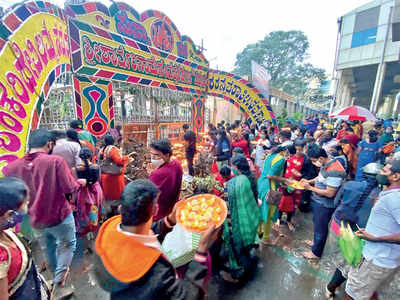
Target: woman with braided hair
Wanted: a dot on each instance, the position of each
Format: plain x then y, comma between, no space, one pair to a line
90,198
240,227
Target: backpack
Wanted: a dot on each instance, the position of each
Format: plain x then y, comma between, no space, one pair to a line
347,201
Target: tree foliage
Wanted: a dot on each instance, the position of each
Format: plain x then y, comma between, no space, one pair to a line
284,55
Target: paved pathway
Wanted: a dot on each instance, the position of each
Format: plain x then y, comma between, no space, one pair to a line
282,272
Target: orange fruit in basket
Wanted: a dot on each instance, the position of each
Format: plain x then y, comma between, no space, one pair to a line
198,213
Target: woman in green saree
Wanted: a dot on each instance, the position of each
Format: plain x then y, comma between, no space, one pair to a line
240,227
271,177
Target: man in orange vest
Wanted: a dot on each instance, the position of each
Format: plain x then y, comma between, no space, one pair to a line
129,258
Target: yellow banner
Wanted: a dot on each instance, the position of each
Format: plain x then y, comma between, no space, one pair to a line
30,54
224,85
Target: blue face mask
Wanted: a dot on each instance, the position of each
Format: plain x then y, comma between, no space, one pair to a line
235,172
251,137
15,218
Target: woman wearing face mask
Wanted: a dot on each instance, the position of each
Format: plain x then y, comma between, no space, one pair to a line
167,176
254,170
366,152
113,184
271,178
19,278
263,144
240,227
244,143
291,198
342,132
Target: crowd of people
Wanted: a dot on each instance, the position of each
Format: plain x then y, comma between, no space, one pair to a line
69,185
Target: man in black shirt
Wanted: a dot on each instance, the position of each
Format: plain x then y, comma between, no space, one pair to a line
190,147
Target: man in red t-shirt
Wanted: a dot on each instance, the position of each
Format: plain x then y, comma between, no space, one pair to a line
167,176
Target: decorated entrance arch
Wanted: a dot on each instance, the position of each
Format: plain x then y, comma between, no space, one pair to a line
99,45
241,93
34,51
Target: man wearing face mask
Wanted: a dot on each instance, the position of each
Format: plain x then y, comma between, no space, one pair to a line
167,176
285,138
387,136
366,152
381,253
318,132
49,180
326,185
355,201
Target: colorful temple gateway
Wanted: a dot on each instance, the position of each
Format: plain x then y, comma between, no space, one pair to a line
105,65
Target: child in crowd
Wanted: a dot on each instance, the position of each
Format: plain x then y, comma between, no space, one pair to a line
291,197
223,176
89,202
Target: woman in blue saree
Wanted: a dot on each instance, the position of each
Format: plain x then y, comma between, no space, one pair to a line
240,228
270,178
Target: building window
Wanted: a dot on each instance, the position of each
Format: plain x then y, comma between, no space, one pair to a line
365,27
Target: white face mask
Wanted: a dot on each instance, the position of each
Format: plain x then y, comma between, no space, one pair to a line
157,162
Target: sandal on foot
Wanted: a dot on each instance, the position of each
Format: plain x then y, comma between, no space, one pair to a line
310,255
227,277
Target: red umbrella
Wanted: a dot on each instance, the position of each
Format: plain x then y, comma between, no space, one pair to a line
354,113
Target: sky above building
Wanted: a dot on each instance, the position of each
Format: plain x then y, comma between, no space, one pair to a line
227,26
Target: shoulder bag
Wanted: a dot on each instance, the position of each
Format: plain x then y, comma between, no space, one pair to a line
273,197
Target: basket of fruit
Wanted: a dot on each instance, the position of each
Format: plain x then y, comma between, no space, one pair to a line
198,213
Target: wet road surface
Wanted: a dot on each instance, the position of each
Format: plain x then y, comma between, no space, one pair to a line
282,272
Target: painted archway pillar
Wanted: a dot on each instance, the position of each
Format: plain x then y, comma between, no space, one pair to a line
94,103
242,94
198,109
34,51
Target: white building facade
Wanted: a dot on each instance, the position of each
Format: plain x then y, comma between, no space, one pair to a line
367,58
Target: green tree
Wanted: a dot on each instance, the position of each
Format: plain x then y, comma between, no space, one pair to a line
297,117
284,55
282,118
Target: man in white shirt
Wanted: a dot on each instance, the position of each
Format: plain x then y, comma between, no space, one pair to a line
68,148
381,253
